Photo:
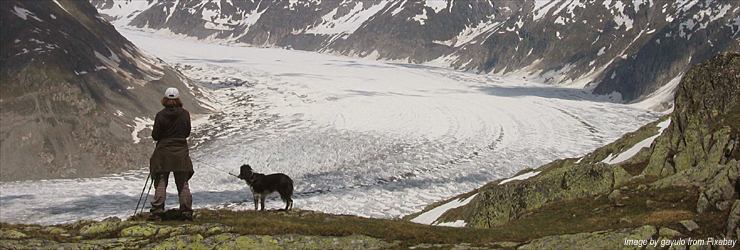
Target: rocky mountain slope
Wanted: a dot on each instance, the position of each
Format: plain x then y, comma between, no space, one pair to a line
683,169
74,93
630,47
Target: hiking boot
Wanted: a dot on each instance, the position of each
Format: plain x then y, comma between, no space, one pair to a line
154,217
187,216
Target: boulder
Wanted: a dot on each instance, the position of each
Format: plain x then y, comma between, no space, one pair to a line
11,234
561,180
733,222
689,225
105,227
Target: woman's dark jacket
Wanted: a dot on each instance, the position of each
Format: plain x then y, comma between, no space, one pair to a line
171,130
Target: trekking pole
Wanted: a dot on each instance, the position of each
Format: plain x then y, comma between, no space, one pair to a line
147,195
142,193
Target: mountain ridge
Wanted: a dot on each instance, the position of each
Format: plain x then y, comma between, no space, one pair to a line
616,46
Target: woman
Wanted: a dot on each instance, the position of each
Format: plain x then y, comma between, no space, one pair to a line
171,130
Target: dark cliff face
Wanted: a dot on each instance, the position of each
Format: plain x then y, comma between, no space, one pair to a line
629,47
72,88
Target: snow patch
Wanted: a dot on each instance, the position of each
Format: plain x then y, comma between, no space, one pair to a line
541,8
112,61
421,18
24,13
629,153
470,33
560,20
436,5
520,177
662,99
430,217
399,8
139,125
123,11
601,52
348,23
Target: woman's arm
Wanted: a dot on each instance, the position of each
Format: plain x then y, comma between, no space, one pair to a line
157,129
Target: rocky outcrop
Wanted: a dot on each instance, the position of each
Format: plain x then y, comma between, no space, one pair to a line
73,91
498,204
706,127
113,233
596,240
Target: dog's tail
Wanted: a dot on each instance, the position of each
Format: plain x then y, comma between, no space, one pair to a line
286,193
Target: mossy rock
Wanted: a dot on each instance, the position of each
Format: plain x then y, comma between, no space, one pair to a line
54,230
614,239
216,241
323,242
146,230
717,184
112,243
206,230
30,244
10,234
705,128
561,180
104,228
249,242
180,242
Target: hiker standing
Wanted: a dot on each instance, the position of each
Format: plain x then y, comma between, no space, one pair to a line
171,130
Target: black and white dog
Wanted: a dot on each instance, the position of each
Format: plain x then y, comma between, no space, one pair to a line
264,185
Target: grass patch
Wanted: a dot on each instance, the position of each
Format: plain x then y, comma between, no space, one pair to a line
320,224
637,206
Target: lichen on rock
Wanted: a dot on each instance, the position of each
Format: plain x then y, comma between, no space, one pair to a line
559,181
622,238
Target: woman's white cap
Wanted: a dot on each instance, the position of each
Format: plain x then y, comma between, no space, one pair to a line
172,93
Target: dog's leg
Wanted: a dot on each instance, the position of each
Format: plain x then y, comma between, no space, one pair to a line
289,204
262,201
256,198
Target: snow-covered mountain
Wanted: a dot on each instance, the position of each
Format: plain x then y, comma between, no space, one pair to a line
73,90
625,46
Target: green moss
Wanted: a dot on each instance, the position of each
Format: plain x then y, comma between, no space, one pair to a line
562,180
245,242
595,240
180,242
104,228
11,234
145,230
